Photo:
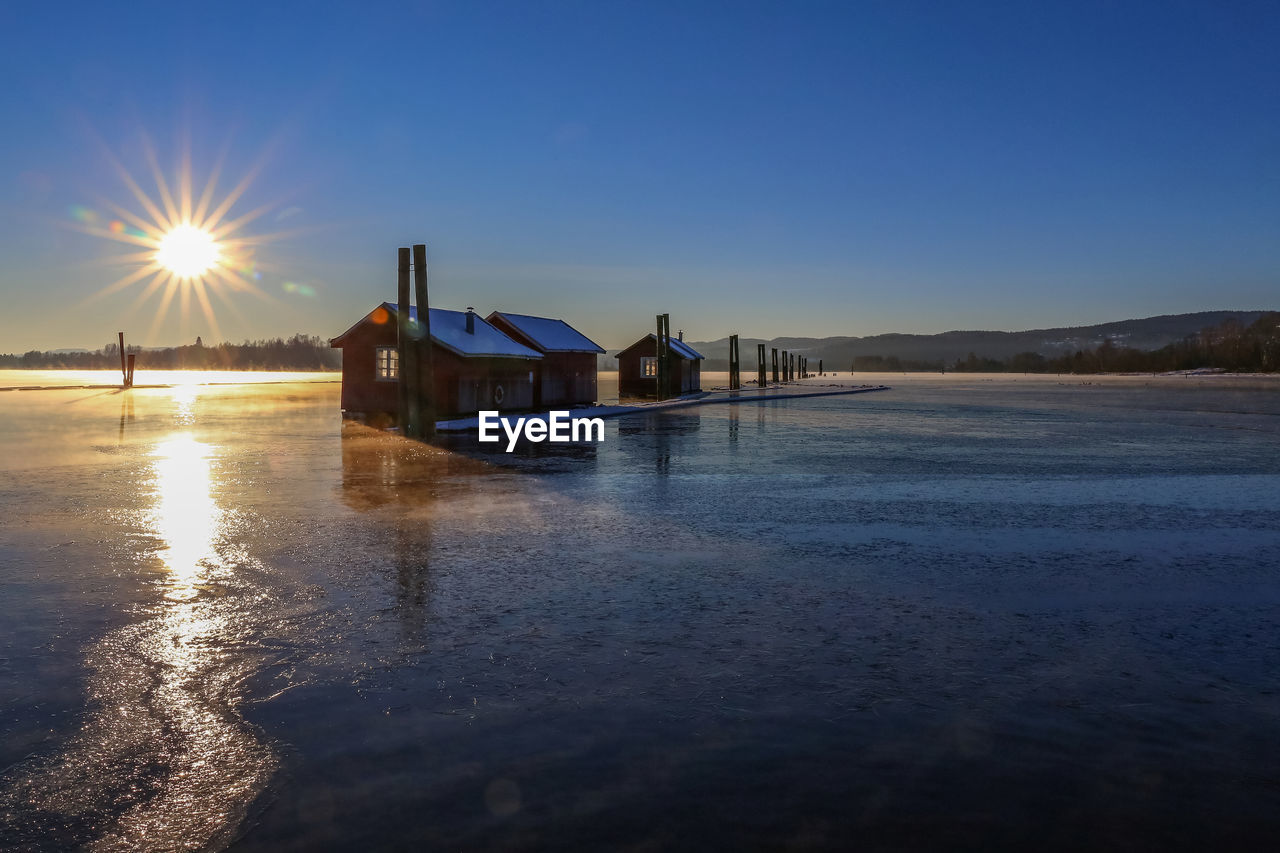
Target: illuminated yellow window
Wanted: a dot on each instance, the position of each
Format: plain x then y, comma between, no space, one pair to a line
649,367
387,364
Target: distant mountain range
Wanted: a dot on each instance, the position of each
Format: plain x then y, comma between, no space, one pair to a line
837,353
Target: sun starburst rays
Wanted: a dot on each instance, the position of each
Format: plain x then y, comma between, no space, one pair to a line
193,244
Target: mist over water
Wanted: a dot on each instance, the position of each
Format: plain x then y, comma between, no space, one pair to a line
965,612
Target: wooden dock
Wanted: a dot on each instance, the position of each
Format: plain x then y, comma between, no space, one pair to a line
703,398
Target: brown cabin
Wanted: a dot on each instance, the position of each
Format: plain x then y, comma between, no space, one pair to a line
638,368
567,373
476,366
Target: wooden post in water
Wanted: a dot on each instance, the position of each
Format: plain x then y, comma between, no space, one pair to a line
128,374
737,363
657,352
425,382
404,347
820,373
775,365
735,379
666,359
124,373
784,365
760,377
663,353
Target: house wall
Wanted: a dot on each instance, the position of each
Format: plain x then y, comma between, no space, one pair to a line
465,386
362,392
567,379
630,382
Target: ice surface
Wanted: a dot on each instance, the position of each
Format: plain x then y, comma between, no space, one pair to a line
968,612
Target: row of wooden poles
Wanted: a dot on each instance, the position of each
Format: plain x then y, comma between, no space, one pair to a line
413,338
791,366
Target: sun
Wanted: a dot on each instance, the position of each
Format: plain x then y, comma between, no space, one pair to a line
187,251
190,247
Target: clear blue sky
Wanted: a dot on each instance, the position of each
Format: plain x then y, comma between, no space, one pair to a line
769,169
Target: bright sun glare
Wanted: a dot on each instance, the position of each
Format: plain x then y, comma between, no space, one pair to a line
187,251
190,245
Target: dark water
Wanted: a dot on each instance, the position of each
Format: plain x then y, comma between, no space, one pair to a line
958,614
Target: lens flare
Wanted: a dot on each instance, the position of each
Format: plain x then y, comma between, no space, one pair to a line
187,251
192,248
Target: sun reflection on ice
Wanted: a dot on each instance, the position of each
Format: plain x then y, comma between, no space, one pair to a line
186,517
184,401
163,759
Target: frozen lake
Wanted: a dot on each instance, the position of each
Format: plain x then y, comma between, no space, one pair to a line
970,612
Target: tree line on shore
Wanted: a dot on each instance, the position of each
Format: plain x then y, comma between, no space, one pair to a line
300,352
1229,346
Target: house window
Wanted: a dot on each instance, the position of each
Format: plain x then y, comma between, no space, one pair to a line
648,367
387,364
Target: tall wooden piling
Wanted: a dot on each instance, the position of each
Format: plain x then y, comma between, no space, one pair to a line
666,358
820,373
124,374
663,353
657,352
404,346
128,374
735,375
424,381
775,364
760,377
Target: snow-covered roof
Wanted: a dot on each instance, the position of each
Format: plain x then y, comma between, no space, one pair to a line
449,330
678,346
550,335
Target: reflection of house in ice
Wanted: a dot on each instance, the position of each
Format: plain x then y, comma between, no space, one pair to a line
477,365
379,471
638,368
650,436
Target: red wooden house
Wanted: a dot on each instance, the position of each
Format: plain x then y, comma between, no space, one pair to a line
476,365
567,373
638,368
